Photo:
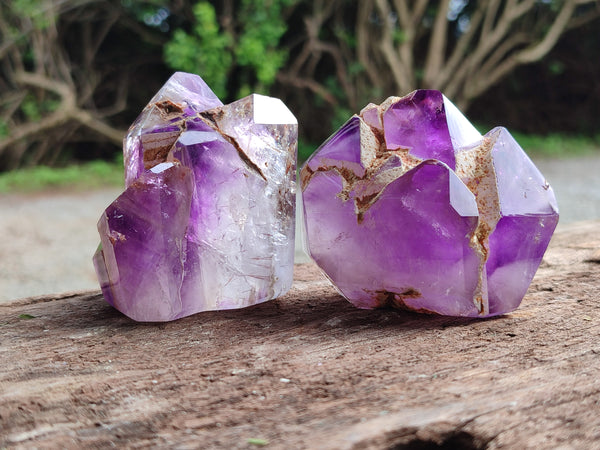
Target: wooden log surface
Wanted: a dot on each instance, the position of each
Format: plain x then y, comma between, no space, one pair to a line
311,371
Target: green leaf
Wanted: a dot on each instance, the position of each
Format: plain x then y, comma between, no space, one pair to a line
3,129
258,441
556,67
207,52
254,54
31,108
42,17
399,36
26,316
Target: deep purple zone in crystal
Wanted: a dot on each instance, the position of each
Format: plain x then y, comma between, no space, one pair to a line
418,238
418,122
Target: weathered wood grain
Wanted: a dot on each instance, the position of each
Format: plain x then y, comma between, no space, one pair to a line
311,371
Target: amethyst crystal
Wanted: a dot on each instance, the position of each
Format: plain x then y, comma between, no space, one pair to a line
407,205
207,218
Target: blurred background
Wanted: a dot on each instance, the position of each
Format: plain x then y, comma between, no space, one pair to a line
76,73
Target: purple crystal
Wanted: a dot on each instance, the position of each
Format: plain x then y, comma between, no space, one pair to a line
407,205
207,219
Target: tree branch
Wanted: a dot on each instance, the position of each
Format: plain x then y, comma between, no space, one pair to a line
365,8
459,52
539,50
437,45
510,44
67,111
400,63
310,84
491,13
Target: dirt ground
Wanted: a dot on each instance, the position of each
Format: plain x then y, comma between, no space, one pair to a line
48,241
49,238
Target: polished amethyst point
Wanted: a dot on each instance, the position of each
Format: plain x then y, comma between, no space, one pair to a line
409,206
207,219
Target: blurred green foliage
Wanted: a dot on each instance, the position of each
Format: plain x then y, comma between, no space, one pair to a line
3,128
305,149
248,46
558,145
206,50
34,109
41,17
94,174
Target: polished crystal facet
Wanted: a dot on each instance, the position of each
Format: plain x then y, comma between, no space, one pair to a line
207,219
408,205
